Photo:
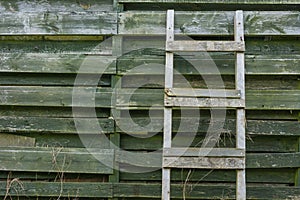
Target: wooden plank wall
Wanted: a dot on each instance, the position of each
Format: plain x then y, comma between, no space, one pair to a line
44,45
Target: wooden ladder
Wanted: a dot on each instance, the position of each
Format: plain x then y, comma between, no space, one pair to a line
215,158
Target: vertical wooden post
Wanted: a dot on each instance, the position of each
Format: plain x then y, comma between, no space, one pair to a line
167,137
241,114
297,177
117,47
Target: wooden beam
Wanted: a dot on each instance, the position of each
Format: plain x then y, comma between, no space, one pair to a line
9,140
59,23
279,2
206,46
220,23
60,160
254,127
204,102
208,152
212,93
53,125
54,96
204,162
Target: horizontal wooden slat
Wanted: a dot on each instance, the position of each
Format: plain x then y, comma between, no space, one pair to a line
253,175
55,96
54,125
54,6
188,124
255,99
209,152
204,102
57,63
9,140
204,163
253,160
57,189
46,79
280,2
282,65
252,82
213,93
210,23
53,23
56,160
205,191
209,46
144,190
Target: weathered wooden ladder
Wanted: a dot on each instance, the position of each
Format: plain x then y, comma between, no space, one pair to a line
200,158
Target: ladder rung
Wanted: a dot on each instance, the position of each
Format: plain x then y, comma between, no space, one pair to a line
208,152
204,162
204,102
217,93
192,45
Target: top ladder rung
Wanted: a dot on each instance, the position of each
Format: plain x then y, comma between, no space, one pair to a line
192,45
213,93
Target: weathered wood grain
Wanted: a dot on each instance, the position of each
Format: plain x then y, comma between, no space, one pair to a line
204,191
9,140
210,23
32,79
57,63
255,99
54,96
252,82
188,124
56,160
253,175
253,160
255,144
52,112
58,22
204,163
16,6
50,189
213,2
16,124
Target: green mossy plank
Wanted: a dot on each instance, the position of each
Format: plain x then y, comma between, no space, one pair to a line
277,99
280,2
55,96
269,56
285,176
210,23
255,144
255,99
252,82
253,160
33,79
19,6
9,140
58,63
59,22
45,176
279,115
57,160
205,191
57,189
190,124
147,190
68,140
68,46
51,112
54,125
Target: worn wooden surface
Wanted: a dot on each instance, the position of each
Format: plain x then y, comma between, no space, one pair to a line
56,160
210,23
44,44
